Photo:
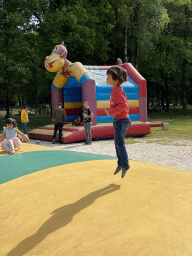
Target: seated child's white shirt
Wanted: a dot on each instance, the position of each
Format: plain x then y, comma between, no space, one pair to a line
10,133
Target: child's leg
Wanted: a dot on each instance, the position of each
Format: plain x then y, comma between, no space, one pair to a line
5,146
121,151
11,145
16,142
120,127
86,131
116,140
118,156
89,131
87,127
25,125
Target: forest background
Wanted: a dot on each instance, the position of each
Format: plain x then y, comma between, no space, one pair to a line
154,35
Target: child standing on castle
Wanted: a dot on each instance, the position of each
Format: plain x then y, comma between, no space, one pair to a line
9,139
87,115
120,110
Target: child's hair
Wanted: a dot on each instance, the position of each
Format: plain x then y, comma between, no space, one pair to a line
118,73
11,121
60,104
86,102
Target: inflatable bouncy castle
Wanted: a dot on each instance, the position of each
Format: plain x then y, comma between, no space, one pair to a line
75,83
134,88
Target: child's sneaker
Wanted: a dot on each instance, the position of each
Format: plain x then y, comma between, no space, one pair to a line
118,169
88,143
12,151
124,170
53,141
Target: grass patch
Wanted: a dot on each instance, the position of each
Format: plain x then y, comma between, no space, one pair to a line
180,127
177,122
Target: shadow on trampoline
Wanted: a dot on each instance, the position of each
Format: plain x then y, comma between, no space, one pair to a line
60,218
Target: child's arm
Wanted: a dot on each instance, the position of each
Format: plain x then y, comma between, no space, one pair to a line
23,135
107,111
120,103
91,115
3,136
117,108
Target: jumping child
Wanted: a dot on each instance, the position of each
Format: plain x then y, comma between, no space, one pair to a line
9,139
120,110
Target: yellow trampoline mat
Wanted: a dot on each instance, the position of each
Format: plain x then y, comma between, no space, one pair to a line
83,209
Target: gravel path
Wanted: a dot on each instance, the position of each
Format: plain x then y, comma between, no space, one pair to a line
177,154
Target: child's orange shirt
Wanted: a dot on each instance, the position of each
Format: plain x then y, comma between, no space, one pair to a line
118,103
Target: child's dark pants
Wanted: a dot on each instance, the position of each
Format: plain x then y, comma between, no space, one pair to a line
87,127
25,126
120,127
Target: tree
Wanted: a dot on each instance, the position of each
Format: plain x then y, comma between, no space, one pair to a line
80,27
181,29
164,62
139,23
19,49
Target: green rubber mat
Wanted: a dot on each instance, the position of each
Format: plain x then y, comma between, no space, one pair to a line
17,165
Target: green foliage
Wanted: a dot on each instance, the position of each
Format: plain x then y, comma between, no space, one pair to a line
159,36
81,30
165,61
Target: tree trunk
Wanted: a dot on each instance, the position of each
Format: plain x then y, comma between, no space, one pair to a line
162,98
184,63
166,91
176,97
6,87
148,100
136,56
126,58
184,86
7,105
136,19
152,100
118,31
158,97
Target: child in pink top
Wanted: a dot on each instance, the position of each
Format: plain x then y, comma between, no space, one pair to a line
9,139
120,110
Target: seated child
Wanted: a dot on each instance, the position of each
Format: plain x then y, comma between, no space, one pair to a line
87,115
79,120
9,140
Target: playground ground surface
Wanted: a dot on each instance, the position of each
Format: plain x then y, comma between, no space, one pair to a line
58,202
